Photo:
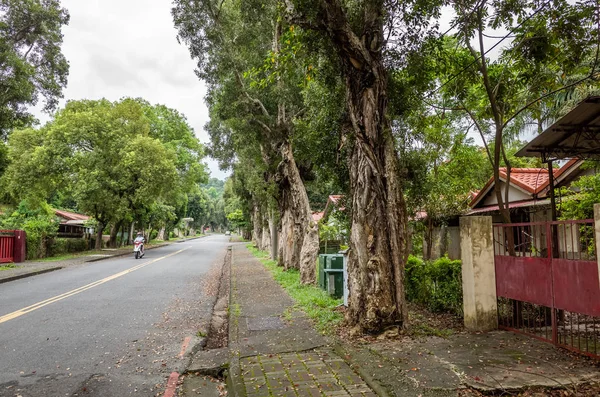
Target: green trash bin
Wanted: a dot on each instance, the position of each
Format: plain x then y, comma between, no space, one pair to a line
321,275
334,282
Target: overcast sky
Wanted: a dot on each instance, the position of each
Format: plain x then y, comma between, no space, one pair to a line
119,48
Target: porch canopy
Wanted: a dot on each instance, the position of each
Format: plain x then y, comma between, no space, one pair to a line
575,135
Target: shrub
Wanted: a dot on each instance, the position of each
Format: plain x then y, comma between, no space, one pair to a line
60,246
436,285
39,223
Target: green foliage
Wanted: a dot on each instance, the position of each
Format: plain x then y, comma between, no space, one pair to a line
60,246
435,284
38,221
31,60
578,200
315,302
8,266
236,219
117,161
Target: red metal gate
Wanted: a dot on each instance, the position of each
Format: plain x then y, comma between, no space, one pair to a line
547,282
7,243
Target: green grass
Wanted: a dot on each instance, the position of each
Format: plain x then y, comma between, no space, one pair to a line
427,330
316,303
63,257
8,266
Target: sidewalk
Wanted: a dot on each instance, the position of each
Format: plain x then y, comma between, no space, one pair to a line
32,268
274,349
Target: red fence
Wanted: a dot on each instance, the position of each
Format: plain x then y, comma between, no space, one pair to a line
547,282
7,243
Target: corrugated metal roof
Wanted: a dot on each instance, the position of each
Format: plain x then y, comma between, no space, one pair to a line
575,135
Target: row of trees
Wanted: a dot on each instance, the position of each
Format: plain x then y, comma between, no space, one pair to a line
120,162
309,97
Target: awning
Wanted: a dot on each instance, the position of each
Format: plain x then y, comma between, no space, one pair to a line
521,204
575,135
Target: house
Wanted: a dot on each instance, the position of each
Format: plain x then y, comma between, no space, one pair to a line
528,192
72,224
528,201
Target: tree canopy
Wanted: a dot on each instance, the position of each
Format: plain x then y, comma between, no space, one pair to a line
32,65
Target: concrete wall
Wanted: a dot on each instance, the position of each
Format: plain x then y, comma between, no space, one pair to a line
446,240
478,273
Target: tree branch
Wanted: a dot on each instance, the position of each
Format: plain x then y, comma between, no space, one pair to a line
481,134
589,76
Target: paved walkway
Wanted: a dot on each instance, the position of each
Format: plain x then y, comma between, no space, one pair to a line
275,350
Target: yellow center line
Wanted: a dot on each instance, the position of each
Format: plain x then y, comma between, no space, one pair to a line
35,306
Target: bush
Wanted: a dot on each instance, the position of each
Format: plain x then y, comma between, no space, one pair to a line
38,221
436,285
60,246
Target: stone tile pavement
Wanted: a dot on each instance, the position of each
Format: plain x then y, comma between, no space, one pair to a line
314,373
275,351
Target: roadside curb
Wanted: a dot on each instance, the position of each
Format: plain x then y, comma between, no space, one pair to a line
235,387
30,274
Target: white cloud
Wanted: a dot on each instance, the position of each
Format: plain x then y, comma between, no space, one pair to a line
119,48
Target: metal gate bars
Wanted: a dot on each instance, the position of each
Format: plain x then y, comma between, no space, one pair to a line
7,243
547,282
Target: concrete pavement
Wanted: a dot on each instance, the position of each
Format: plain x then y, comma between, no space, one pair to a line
274,351
113,328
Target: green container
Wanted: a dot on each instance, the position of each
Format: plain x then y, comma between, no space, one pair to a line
334,261
321,276
334,282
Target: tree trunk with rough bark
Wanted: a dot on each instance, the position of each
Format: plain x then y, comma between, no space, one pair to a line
265,244
114,231
99,232
257,226
377,252
299,232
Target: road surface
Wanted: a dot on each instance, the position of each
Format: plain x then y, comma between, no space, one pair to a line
110,328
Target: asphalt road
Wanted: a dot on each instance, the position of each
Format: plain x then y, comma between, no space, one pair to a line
109,328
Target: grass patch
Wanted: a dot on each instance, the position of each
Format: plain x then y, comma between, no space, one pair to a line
316,303
427,330
67,256
8,266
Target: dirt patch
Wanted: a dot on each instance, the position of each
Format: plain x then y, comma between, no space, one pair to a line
421,323
219,327
572,391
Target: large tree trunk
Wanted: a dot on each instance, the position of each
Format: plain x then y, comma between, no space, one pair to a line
378,237
299,232
377,252
257,225
265,244
99,232
114,231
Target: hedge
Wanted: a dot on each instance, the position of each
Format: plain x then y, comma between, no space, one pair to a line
435,284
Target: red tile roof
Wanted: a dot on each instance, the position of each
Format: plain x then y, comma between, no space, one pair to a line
317,216
71,216
532,180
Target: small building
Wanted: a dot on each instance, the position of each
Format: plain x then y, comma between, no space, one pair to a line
72,224
528,192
